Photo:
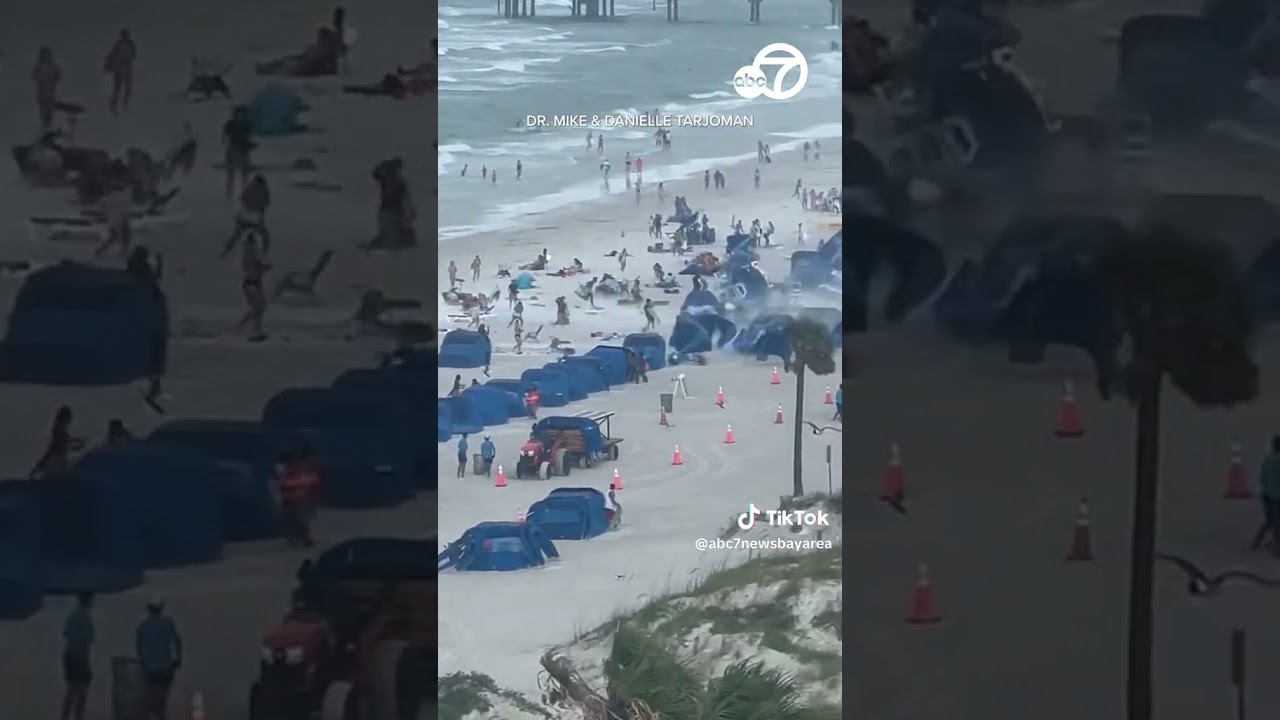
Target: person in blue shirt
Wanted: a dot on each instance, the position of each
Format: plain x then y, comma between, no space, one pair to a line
839,403
159,649
77,670
1269,493
463,446
487,453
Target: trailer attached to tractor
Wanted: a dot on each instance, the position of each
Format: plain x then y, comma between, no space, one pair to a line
561,442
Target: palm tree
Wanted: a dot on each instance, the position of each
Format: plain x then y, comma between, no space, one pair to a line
647,682
813,349
1187,312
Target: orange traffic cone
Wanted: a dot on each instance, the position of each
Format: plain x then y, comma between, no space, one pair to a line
675,457
500,480
774,379
520,516
662,417
616,483
895,477
827,399
728,435
1082,537
924,603
777,417
197,706
720,396
1070,424
1237,486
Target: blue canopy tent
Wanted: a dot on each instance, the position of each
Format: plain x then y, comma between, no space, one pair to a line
700,302
248,452
21,560
498,546
591,372
917,264
74,324
444,422
613,359
275,110
365,443
651,346
578,386
490,404
465,349
90,541
515,390
166,499
765,337
412,390
525,281
464,418
570,514
553,387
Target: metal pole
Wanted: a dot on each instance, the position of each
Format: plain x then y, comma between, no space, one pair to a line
829,490
1238,662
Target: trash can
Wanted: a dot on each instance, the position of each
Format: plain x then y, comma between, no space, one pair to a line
667,402
477,464
128,689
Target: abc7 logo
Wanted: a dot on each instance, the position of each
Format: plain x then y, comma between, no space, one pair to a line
751,82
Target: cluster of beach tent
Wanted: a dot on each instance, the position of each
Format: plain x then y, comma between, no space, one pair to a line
177,497
565,514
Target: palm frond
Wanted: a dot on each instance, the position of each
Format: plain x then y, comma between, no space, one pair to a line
812,345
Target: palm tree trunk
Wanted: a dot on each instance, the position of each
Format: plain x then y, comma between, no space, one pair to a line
1142,549
797,464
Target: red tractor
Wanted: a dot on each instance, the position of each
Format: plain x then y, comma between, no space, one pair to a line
360,641
542,459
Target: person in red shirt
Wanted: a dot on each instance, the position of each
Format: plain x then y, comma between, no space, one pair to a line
298,480
531,400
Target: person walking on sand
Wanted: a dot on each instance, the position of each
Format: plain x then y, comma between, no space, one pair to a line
519,169
484,172
46,75
800,234
622,259
117,206
253,267
453,275
487,454
475,269
119,66
590,139
600,143
159,651
650,316
662,194
639,168
517,314
518,336
78,636
756,178
706,179
796,193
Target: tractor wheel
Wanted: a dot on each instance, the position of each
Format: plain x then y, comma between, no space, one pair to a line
613,452
342,702
561,461
384,673
545,471
584,461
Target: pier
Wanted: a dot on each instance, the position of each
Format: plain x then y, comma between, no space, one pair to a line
606,9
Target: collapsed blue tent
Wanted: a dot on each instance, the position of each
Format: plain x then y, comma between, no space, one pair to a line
570,514
444,422
525,281
765,337
400,386
463,417
553,387
917,264
275,110
364,442
465,349
589,371
702,302
613,360
748,285
75,324
650,346
166,499
324,583
21,558
248,452
578,386
701,333
501,546
974,305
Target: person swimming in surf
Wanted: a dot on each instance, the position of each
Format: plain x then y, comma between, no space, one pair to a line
237,139
253,267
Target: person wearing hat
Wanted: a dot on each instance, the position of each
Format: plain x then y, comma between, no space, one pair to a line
159,649
487,453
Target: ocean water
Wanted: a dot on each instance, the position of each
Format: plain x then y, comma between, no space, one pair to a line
494,72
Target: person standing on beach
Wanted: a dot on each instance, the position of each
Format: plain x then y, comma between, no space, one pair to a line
78,635
119,66
662,195
600,143
590,139
639,168
622,259
800,234
637,193
806,151
627,162
650,316
756,178
759,151
493,177
237,139
453,275
475,269
254,268
517,315
798,190
46,75
484,172
519,169
706,179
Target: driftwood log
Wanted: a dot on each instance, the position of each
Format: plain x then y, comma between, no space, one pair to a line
594,707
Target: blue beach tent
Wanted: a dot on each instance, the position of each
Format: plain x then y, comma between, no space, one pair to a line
22,566
500,546
490,404
465,349
613,361
570,514
275,110
553,387
590,372
650,346
579,387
